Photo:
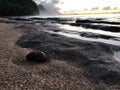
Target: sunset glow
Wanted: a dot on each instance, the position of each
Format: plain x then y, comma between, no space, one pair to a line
88,6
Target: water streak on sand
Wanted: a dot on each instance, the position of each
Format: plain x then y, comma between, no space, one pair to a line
81,29
113,42
117,55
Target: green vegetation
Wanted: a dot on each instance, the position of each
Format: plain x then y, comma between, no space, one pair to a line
18,7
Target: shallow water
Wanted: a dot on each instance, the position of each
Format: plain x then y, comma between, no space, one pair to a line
81,29
113,42
98,35
75,31
117,55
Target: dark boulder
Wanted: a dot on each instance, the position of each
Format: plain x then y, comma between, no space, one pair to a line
36,57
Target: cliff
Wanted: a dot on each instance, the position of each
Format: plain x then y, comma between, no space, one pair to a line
18,8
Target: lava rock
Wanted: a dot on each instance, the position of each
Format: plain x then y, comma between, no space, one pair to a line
111,77
36,57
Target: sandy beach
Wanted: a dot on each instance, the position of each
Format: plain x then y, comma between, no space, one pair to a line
73,64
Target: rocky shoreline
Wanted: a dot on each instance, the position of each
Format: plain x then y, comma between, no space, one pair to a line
95,59
98,58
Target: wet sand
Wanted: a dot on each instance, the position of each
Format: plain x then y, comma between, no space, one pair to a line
74,64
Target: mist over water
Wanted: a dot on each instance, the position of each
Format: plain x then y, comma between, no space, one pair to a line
49,5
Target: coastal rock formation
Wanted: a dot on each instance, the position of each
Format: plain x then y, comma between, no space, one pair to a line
98,24
36,57
97,58
18,8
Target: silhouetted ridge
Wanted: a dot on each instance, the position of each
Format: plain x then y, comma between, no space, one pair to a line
18,7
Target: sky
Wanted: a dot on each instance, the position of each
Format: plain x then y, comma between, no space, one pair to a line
75,5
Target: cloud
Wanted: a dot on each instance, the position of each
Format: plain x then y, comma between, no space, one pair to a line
54,1
69,5
50,5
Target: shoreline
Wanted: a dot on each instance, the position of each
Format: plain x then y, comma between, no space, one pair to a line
91,64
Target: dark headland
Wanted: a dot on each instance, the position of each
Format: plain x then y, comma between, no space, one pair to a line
18,8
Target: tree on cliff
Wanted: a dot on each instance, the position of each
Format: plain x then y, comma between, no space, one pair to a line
18,7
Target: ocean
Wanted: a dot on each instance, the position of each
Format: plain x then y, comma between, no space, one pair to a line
103,28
